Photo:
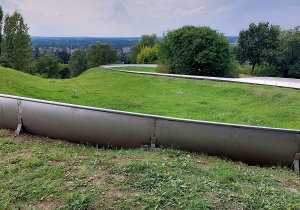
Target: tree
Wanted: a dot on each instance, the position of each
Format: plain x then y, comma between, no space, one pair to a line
64,71
148,55
36,52
123,58
16,43
289,52
195,51
47,66
78,62
258,44
63,56
146,41
285,60
101,54
1,25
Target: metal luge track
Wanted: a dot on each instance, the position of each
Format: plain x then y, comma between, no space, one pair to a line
250,144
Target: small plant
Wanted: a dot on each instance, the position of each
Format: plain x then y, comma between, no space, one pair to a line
2,133
78,202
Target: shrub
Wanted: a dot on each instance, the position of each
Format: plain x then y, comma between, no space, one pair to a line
196,51
148,55
5,62
268,70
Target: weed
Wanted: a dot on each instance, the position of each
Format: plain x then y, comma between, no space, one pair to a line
78,201
2,133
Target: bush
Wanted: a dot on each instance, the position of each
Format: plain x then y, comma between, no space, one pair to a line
5,62
245,69
235,69
196,51
267,70
162,68
146,41
148,55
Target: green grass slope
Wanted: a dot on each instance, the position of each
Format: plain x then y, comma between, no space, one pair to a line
40,173
192,99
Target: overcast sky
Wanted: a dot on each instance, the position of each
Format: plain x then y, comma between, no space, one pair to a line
133,18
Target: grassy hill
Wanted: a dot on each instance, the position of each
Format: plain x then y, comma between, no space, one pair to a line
192,99
40,173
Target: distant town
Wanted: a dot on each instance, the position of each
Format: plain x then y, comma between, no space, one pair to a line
70,44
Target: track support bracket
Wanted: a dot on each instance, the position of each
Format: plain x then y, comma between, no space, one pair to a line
19,110
296,163
153,141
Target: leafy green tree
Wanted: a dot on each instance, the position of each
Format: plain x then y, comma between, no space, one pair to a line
146,41
47,66
289,52
101,54
78,62
124,58
36,52
1,25
258,44
63,56
284,61
294,71
195,51
16,43
64,71
148,55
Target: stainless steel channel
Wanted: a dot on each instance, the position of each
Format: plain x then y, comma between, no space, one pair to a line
255,145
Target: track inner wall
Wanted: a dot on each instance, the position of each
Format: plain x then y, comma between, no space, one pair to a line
254,145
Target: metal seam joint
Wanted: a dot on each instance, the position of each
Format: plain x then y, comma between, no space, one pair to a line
153,141
19,110
296,163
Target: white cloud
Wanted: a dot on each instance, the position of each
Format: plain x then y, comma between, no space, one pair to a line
137,17
181,12
224,9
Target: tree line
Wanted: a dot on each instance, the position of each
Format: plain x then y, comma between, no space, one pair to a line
262,50
17,52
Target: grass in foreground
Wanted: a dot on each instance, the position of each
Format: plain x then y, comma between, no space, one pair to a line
40,173
140,68
191,99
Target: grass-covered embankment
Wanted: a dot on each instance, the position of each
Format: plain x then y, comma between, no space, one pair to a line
192,99
139,68
40,173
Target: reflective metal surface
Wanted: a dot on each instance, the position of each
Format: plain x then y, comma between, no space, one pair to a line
255,145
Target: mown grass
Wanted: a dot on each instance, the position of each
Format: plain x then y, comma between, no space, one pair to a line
40,173
138,68
192,99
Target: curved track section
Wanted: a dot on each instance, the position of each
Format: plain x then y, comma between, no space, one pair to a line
254,145
271,81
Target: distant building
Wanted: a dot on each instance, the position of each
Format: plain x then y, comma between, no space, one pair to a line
126,49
